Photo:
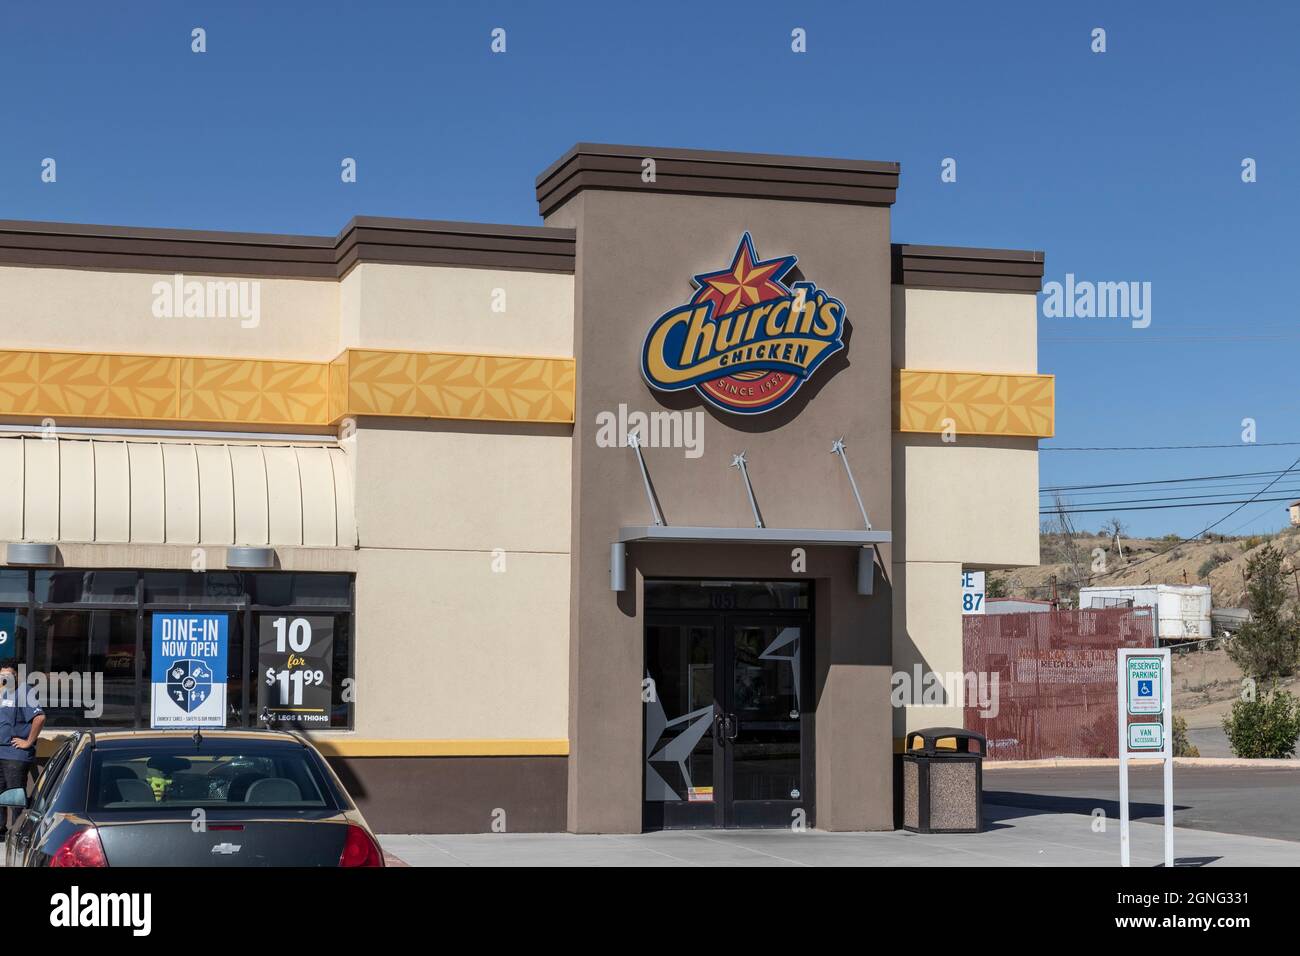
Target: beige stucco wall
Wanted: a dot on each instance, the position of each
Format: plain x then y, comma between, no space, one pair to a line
462,617
95,311
376,305
927,631
958,331
463,580
441,308
971,503
449,649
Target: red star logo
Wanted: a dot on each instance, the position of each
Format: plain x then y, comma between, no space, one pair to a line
747,282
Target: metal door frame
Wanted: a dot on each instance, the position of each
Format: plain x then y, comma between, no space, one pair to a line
723,816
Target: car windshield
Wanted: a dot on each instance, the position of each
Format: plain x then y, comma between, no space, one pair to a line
237,776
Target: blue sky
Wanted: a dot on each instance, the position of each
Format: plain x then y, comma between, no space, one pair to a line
1121,166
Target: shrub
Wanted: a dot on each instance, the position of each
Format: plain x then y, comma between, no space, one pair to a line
1264,727
1268,645
1212,562
1182,746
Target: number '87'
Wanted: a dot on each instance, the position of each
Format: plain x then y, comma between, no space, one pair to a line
971,602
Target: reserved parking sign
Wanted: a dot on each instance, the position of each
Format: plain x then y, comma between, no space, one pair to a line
1145,685
1143,694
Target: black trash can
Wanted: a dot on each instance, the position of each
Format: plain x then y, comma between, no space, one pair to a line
943,781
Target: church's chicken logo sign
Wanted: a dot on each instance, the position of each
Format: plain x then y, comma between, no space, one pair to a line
746,341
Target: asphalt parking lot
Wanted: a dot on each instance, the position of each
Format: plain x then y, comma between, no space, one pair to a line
1251,801
1223,816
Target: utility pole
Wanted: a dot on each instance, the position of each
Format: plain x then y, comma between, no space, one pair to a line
1071,547
1056,603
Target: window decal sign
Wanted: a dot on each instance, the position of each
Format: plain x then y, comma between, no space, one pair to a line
8,633
189,670
295,669
746,340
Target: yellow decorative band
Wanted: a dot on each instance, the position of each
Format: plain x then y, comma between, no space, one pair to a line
161,388
447,385
975,403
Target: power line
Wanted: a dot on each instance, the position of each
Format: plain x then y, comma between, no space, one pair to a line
1181,541
1155,493
1222,488
1198,504
1161,339
1163,481
1101,505
1261,444
1249,521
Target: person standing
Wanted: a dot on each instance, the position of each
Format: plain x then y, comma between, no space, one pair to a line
21,720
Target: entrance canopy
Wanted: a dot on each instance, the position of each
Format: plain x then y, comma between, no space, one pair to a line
795,536
686,534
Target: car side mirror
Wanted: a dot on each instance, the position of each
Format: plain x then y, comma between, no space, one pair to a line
17,797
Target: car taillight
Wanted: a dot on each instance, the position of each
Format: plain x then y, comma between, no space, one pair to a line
83,848
359,849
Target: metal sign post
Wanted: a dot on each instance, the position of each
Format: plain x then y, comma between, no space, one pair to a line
1144,695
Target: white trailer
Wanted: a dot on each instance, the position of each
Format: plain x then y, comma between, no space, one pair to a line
1182,610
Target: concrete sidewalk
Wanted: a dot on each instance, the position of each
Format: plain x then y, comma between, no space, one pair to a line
1015,837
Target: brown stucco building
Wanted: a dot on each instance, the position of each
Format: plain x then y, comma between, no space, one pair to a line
414,438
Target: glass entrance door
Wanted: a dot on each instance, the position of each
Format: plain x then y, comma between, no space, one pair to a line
763,752
726,697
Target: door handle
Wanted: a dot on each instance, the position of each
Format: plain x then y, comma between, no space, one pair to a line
733,727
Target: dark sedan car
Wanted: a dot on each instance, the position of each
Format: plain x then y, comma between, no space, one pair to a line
179,798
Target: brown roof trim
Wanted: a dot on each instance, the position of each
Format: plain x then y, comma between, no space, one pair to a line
364,239
954,267
710,173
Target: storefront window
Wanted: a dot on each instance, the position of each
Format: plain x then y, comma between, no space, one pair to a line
720,595
302,661
234,669
85,635
13,631
87,659
300,590
13,587
85,587
183,587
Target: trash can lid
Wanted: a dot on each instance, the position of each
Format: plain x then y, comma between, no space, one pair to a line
945,740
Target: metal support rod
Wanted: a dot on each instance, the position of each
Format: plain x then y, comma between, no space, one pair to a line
738,462
837,448
1167,679
1121,709
635,444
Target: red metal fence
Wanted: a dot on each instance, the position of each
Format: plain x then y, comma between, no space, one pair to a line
1056,679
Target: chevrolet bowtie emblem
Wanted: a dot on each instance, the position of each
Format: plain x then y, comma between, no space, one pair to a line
226,848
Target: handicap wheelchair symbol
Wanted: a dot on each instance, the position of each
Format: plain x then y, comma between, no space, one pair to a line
1145,688
189,683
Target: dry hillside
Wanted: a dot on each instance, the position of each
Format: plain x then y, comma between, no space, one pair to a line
1206,682
1217,561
